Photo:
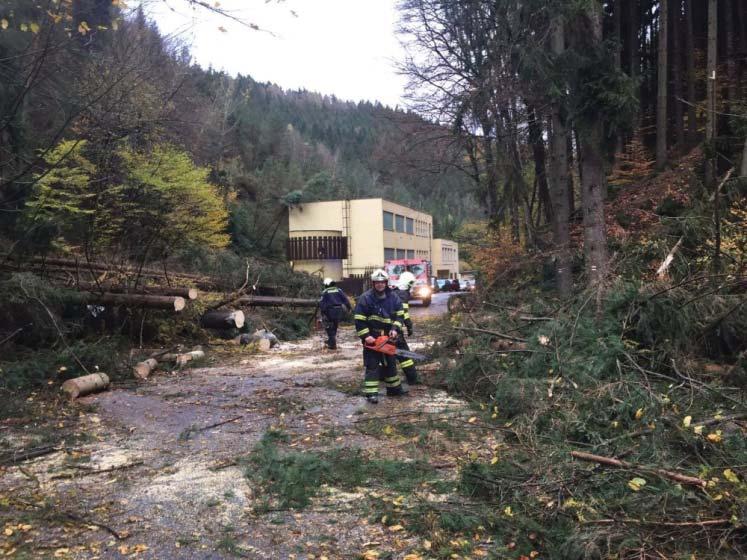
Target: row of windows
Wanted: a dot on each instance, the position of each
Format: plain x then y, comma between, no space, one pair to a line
395,222
391,254
422,228
448,254
403,224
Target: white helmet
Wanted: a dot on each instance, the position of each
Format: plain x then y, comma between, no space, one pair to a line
406,280
379,275
328,282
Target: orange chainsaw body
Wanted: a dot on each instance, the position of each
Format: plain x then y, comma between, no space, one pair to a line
384,345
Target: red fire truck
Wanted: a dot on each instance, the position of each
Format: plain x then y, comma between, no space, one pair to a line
421,269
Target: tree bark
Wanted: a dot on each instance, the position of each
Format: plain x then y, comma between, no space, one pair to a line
175,303
540,166
593,180
661,90
731,56
676,32
81,386
271,301
711,120
223,319
633,57
692,124
592,200
559,179
186,293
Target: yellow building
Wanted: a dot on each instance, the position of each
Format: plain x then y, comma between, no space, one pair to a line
341,238
445,258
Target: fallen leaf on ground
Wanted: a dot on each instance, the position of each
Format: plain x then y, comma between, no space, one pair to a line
636,484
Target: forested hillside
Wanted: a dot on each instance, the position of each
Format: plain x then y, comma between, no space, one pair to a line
107,82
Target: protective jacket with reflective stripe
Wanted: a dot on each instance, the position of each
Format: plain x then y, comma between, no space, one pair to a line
375,316
404,296
332,297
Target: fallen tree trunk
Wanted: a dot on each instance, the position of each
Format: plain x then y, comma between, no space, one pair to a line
173,291
175,303
223,319
271,301
81,386
143,369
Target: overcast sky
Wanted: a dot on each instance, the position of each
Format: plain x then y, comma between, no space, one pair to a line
341,47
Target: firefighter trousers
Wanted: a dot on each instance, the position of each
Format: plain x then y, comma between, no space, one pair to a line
380,366
407,364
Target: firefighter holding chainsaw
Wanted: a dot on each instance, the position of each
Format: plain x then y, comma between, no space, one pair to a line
378,313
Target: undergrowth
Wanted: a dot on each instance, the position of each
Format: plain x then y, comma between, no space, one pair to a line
293,478
650,376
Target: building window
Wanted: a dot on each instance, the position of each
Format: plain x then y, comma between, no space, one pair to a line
389,254
401,254
409,226
388,221
410,254
399,223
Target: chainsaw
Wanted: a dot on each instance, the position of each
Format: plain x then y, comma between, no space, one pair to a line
385,345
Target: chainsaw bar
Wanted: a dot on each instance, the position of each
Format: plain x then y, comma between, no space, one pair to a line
408,354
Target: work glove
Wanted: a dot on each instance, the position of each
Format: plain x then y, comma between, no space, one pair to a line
409,331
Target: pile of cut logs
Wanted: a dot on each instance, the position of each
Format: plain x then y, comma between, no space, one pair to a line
124,286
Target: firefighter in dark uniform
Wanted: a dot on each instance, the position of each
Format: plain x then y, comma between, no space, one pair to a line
403,292
377,313
331,304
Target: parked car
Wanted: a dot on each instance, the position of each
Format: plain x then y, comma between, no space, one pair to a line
443,285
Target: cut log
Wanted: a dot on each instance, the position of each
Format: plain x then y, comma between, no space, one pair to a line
81,386
270,301
181,359
144,369
223,319
174,291
174,303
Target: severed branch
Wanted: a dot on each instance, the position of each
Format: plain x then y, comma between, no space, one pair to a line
218,424
704,523
610,462
74,517
90,471
492,333
238,293
661,271
30,454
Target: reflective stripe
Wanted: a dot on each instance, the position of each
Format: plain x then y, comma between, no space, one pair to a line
397,324
395,382
363,331
407,363
377,318
371,390
401,312
360,317
371,383
405,306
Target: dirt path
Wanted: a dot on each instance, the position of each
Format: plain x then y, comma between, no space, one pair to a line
165,470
